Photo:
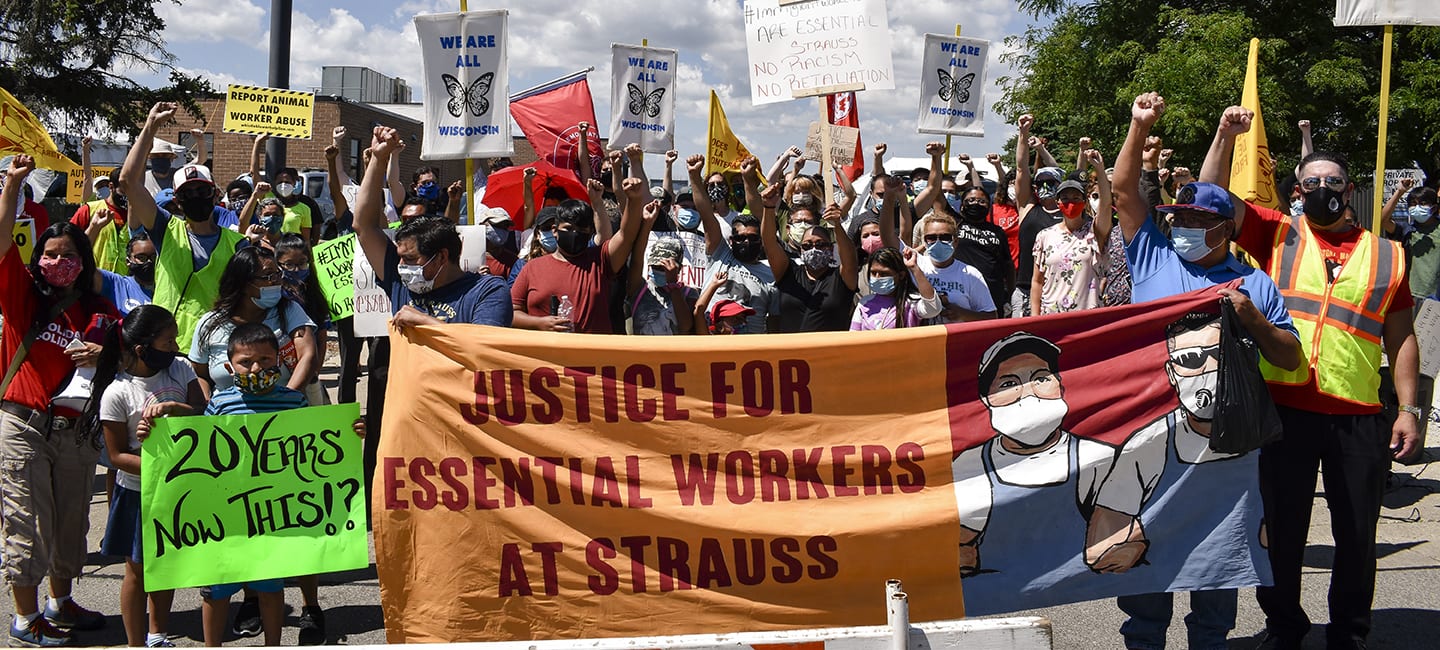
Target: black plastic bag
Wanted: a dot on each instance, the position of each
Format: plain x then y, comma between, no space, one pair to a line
1245,415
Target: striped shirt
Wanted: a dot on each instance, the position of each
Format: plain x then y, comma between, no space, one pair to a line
233,402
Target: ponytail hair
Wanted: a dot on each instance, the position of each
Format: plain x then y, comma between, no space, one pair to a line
140,327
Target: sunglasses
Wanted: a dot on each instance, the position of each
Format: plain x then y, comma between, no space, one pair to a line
1336,183
805,246
945,237
741,239
1195,358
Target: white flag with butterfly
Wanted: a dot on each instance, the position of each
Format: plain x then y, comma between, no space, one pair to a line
952,84
642,97
467,85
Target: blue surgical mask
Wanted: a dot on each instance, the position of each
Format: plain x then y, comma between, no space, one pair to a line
1421,213
658,278
548,241
940,251
955,202
919,186
160,165
269,297
1297,207
883,285
1189,243
687,218
272,222
497,236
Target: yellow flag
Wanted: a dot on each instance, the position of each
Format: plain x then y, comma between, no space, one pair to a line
21,132
1252,173
725,151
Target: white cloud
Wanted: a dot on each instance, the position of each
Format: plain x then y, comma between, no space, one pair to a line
208,21
551,38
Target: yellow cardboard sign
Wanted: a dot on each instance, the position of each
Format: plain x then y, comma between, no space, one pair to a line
25,238
75,186
253,110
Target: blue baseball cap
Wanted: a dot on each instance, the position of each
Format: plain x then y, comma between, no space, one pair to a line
1202,197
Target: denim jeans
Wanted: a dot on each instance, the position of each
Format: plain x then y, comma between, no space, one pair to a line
1211,617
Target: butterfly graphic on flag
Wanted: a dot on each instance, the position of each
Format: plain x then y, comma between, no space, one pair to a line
957,88
642,103
472,98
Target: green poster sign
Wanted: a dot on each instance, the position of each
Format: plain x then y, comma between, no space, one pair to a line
238,498
335,270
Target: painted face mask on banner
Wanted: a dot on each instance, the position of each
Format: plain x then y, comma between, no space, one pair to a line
1029,421
1197,394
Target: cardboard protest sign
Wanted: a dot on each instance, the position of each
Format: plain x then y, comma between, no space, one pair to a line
335,272
642,97
564,488
467,85
75,185
1393,178
277,112
694,260
372,304
472,248
813,45
843,140
24,234
952,85
1427,333
237,498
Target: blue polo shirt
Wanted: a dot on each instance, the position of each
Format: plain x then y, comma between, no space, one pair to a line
1159,272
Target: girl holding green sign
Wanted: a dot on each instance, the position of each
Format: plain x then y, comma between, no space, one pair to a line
138,381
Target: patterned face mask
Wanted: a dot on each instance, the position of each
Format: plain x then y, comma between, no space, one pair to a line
257,383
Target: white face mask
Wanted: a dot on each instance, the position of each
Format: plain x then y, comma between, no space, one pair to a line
801,199
1010,192
284,189
1197,393
1095,206
1029,421
413,275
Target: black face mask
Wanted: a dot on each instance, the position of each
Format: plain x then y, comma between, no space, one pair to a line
573,242
974,211
1324,206
748,251
197,209
144,273
119,201
157,360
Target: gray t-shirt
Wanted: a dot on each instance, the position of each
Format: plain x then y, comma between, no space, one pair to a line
752,284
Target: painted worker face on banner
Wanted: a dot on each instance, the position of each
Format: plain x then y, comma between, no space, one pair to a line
1025,394
1193,343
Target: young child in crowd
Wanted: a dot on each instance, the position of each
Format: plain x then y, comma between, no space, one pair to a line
900,295
138,381
255,367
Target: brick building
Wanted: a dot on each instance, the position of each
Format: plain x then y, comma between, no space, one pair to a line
230,152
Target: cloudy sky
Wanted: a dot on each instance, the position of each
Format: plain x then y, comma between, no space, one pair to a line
551,38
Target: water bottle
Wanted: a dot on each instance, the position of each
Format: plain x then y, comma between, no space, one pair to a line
566,310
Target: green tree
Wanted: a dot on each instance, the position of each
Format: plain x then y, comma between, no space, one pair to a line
1084,62
63,58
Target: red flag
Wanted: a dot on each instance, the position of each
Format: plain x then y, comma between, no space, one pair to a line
550,114
844,112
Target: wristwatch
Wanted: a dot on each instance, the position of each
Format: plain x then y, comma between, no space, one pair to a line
1412,410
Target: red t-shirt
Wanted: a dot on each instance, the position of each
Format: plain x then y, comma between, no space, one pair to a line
41,216
587,281
47,366
1257,237
82,216
1008,218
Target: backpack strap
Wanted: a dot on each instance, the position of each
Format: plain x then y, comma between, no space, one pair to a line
31,335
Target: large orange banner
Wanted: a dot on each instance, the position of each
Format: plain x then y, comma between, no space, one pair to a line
540,486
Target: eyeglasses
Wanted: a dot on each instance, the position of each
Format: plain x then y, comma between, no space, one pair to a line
146,259
1194,358
1010,389
1311,183
303,266
271,278
945,237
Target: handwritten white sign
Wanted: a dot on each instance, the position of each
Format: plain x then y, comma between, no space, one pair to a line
802,47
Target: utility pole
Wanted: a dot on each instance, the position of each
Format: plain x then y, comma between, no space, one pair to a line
279,78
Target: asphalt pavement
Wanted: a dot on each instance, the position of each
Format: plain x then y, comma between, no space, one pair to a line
1407,599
